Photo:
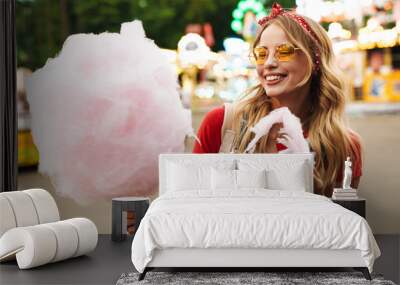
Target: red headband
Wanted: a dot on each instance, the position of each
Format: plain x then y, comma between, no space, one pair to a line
278,10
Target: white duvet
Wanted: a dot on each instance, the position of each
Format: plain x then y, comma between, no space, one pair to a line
253,218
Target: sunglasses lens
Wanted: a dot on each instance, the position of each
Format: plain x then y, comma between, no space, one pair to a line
285,52
260,55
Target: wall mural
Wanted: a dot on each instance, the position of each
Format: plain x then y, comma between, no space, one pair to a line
102,112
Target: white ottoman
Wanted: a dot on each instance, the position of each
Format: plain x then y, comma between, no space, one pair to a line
31,232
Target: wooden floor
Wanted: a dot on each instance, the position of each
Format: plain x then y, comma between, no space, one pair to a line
110,260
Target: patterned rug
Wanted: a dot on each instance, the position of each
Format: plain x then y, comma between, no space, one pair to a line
269,278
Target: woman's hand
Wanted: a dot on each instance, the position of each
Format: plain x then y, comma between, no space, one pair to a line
273,136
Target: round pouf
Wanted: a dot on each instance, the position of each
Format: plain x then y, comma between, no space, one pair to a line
125,209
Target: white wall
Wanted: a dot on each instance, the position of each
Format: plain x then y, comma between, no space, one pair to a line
380,183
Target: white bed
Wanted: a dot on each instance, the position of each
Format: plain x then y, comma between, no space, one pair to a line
202,220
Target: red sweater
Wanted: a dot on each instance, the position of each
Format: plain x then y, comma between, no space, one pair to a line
209,135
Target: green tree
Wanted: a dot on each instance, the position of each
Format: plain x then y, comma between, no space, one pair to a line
43,25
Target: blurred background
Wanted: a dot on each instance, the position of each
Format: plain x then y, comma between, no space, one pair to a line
207,42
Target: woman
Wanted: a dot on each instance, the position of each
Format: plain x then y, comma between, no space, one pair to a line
295,66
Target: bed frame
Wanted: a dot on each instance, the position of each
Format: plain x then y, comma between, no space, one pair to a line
246,259
250,258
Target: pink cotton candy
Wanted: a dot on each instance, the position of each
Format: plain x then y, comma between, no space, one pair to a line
102,112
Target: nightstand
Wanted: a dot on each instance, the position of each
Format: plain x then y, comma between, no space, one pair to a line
355,205
123,210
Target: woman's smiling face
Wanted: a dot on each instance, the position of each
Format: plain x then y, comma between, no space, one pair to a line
280,78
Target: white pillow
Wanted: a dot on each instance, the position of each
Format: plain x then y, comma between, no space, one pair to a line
293,179
251,178
193,174
182,177
282,174
226,179
223,179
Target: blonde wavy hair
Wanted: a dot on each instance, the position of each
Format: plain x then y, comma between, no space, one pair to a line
328,135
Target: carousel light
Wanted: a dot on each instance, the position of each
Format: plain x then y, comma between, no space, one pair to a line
235,46
236,25
258,7
237,14
227,95
311,8
374,25
397,27
366,3
244,6
193,51
240,85
218,69
387,38
336,30
337,8
325,10
234,88
347,45
261,15
365,39
375,35
205,91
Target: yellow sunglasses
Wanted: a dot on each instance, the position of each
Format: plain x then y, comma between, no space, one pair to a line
283,52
